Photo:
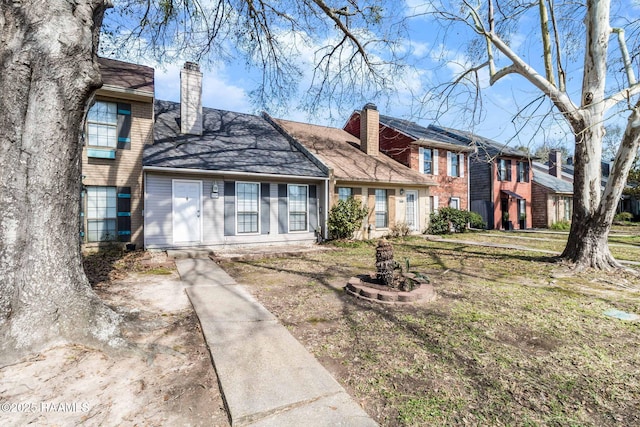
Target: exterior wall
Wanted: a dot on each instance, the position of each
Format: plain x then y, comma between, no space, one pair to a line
126,169
540,206
396,206
158,220
521,188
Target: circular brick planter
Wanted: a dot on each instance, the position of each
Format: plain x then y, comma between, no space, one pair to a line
362,289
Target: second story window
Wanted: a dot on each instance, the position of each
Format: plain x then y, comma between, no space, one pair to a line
427,156
523,171
102,125
504,170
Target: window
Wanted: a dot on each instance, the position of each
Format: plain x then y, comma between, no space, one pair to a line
455,165
523,171
504,170
298,207
454,203
433,204
381,208
344,193
567,208
102,125
101,214
427,157
247,198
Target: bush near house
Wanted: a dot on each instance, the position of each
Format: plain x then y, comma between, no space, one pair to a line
563,225
447,220
345,217
623,217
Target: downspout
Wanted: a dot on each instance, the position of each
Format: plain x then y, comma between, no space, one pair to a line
144,213
325,231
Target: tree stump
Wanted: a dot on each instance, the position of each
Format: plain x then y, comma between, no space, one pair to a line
384,263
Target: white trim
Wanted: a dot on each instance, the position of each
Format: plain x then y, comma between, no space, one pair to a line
173,214
259,220
306,229
457,200
421,160
461,165
449,162
434,159
232,173
416,208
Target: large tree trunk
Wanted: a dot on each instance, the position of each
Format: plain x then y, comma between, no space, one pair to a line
49,72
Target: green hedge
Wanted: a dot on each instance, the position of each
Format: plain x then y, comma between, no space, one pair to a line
446,219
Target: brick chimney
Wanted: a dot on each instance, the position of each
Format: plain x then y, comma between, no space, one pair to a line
555,163
191,99
369,129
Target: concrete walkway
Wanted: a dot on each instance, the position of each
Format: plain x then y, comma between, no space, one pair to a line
266,376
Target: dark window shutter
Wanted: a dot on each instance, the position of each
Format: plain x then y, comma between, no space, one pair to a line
123,208
313,208
229,208
265,213
283,213
357,191
124,126
508,170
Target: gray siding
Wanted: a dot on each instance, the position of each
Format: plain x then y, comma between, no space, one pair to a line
479,180
158,214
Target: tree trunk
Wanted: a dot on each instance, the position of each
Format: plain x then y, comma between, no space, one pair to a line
48,54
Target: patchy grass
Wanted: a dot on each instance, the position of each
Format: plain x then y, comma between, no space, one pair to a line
513,339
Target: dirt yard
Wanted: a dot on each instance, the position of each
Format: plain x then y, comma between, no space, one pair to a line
165,379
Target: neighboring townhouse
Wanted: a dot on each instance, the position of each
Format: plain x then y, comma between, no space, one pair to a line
499,181
118,126
443,159
392,192
215,177
552,197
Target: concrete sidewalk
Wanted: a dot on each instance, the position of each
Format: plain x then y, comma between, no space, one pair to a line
266,376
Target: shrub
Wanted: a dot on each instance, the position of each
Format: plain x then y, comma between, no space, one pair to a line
345,217
623,217
563,225
475,220
450,219
399,229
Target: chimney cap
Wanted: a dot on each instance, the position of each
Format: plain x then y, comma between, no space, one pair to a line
370,106
192,66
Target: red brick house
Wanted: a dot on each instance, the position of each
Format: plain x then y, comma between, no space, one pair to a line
442,158
500,181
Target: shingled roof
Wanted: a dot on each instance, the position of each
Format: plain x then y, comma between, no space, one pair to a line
419,132
233,142
340,151
552,183
485,147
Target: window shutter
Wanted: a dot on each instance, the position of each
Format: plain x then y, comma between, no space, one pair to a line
421,159
265,213
313,208
449,154
283,213
435,162
461,165
123,208
124,126
508,170
229,208
435,204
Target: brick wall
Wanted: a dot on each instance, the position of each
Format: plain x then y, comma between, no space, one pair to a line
540,206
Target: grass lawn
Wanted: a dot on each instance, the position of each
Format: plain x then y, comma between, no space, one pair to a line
513,338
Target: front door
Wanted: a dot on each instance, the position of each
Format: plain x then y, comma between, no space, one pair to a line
186,211
412,210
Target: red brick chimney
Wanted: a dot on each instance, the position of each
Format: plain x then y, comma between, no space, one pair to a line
555,163
369,129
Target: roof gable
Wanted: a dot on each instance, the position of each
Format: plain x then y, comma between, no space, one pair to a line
233,142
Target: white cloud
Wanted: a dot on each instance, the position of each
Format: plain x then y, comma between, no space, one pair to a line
218,91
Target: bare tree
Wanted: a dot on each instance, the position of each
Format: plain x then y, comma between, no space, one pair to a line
559,28
49,73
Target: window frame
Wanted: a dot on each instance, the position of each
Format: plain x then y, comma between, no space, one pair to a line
453,200
384,212
89,220
305,212
111,145
504,165
424,161
523,171
341,196
240,212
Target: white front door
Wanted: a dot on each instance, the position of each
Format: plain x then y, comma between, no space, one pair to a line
412,210
186,211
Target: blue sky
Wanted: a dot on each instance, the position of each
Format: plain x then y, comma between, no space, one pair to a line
435,59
